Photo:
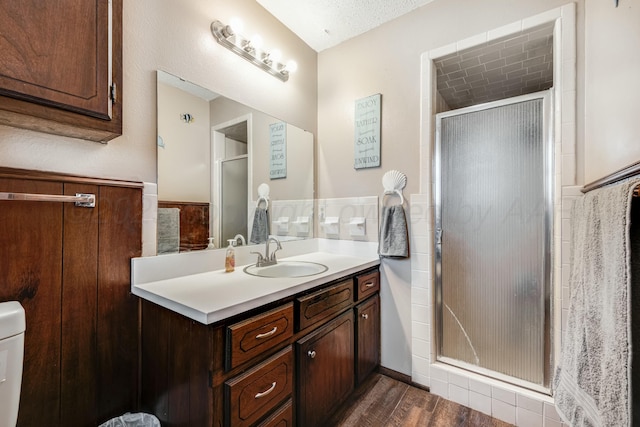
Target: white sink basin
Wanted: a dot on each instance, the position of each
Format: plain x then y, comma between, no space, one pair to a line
287,269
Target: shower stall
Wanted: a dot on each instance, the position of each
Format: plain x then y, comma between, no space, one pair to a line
493,237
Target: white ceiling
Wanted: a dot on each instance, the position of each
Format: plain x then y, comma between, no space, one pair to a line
326,23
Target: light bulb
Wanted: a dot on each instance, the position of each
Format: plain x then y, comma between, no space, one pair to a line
256,41
291,66
275,55
236,25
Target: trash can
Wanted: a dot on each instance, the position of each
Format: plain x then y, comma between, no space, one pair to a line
133,420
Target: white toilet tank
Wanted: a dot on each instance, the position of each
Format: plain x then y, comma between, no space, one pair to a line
12,327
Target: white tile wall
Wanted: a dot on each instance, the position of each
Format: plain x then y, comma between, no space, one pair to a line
506,402
345,209
290,209
149,219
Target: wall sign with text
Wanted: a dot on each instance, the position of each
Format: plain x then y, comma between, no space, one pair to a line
366,144
278,150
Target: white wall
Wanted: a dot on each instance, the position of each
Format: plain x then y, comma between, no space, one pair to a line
386,60
184,161
174,35
393,69
612,87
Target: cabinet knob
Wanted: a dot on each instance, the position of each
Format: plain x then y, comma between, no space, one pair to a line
311,354
364,315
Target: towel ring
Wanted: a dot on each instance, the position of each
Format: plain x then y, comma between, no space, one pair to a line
263,199
391,193
393,182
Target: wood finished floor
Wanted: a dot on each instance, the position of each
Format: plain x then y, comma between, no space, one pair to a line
382,401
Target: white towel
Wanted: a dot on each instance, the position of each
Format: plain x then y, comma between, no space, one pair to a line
592,386
393,240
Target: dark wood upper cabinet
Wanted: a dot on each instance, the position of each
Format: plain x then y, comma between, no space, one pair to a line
61,67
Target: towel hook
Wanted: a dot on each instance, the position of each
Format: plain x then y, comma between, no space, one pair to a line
394,182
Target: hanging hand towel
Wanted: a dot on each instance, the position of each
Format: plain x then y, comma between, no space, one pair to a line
168,230
393,239
260,229
593,381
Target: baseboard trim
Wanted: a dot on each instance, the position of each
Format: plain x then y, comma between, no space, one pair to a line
399,376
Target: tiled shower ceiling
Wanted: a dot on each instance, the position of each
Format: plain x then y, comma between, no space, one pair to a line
519,64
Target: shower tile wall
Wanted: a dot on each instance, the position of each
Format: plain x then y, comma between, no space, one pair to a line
501,400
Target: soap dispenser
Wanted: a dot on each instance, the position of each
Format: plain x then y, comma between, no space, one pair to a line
230,258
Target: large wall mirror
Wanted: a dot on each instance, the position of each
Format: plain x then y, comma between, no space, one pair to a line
221,165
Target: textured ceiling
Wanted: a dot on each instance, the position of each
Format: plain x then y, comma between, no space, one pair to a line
326,23
519,64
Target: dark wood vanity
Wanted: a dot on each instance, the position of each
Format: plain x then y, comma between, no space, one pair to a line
291,362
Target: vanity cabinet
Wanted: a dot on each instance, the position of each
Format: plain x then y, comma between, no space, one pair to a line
61,67
367,337
325,370
291,362
253,394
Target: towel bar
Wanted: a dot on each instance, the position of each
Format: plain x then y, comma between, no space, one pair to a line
81,200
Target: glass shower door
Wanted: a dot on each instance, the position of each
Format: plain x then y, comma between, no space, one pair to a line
233,198
493,234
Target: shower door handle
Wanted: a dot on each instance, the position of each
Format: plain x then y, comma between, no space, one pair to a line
439,234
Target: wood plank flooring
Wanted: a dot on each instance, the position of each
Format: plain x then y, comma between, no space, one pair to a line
383,401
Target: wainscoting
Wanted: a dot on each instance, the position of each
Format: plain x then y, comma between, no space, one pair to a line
69,267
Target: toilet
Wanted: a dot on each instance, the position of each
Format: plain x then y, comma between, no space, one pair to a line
12,327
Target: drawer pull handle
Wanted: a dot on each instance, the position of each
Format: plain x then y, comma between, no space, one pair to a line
267,334
365,316
264,393
369,284
311,354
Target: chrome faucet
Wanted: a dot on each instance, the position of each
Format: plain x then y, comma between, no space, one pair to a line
243,242
268,259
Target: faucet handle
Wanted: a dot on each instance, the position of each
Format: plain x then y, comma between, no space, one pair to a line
260,258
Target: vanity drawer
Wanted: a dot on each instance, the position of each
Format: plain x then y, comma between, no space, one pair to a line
254,336
324,304
250,396
368,284
283,417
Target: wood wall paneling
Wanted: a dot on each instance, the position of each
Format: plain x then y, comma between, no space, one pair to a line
120,239
194,224
70,269
31,273
79,310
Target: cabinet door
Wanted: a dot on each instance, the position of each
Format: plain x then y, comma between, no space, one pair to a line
58,65
368,337
325,370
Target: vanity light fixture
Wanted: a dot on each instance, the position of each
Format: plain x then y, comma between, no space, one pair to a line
251,49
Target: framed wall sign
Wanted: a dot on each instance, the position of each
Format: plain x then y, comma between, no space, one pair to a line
278,150
366,144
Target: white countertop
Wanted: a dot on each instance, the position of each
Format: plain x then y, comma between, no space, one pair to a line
211,296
